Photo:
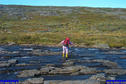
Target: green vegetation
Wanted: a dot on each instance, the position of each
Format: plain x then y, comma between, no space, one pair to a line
85,26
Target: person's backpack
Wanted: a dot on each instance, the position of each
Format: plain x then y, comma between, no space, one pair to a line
66,43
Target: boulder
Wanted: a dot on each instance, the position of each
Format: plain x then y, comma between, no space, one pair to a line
105,63
23,64
37,52
115,71
74,68
28,73
75,73
45,70
12,61
11,43
100,76
4,64
50,65
88,71
60,71
123,57
73,82
71,70
34,81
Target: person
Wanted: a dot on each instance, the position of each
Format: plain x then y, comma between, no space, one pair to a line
65,43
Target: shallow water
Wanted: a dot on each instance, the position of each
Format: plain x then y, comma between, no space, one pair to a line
23,55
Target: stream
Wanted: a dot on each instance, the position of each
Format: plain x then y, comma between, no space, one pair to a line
24,54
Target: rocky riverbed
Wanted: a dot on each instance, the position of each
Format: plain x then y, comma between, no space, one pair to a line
45,65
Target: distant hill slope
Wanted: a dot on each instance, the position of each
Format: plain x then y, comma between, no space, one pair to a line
28,12
50,24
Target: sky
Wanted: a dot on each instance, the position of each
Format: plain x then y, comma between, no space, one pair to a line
83,3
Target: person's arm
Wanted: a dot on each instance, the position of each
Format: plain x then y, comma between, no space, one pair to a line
71,43
61,43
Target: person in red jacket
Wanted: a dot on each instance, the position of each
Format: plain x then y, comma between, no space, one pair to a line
66,44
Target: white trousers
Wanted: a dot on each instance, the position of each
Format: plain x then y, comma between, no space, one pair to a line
65,49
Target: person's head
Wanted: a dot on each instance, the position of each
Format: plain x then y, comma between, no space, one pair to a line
67,39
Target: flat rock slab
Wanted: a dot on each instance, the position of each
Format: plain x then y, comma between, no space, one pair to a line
13,61
73,82
106,63
115,71
4,64
34,81
28,73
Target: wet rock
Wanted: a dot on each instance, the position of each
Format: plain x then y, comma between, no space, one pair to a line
73,82
71,70
51,65
3,71
28,49
11,43
1,49
49,70
110,64
56,71
28,73
52,53
60,71
23,64
6,57
43,53
122,57
101,46
68,63
86,55
115,71
64,70
115,53
13,61
74,68
4,64
88,71
105,63
100,77
123,47
75,73
37,52
35,62
15,52
111,77
45,71
34,81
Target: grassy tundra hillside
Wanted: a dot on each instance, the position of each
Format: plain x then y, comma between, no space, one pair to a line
50,25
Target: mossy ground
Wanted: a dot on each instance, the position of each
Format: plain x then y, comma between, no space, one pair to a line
83,29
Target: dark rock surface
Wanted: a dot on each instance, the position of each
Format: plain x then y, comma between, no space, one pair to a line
28,73
34,81
74,82
115,71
